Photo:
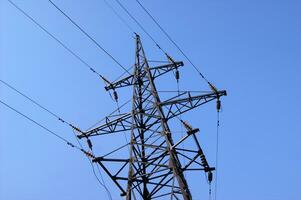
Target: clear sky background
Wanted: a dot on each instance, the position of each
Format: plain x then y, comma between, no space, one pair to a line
250,48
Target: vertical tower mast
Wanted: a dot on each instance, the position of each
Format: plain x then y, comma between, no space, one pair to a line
145,93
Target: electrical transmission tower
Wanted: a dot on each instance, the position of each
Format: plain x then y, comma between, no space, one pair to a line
153,169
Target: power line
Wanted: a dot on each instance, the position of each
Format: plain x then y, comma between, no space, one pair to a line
92,39
56,39
63,45
39,105
217,153
35,102
137,22
47,110
54,134
101,182
172,41
41,126
61,120
57,136
119,16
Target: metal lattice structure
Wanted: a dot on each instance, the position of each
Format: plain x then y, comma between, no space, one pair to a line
153,169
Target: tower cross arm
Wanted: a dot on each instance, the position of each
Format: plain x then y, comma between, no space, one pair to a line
180,104
127,81
156,71
160,70
112,125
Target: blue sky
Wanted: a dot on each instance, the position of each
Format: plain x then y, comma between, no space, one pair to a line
250,48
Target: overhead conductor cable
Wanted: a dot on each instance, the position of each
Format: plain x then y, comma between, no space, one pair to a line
64,46
45,128
58,41
80,147
173,42
143,29
90,37
119,16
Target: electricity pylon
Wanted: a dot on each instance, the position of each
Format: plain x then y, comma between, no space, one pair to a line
153,168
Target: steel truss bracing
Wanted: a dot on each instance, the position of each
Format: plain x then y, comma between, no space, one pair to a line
153,170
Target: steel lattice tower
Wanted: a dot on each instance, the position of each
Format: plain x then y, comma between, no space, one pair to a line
153,169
